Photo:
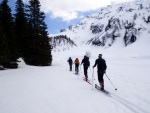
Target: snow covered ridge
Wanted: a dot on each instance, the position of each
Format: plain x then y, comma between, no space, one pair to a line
120,23
61,43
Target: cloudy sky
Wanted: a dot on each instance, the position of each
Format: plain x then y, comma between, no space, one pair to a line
62,13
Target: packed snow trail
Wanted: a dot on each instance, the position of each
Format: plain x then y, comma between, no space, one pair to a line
54,89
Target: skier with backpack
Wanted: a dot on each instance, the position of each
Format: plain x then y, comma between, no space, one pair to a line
76,65
86,64
70,63
101,69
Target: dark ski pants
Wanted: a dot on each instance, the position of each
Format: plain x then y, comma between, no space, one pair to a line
76,68
85,71
70,67
100,77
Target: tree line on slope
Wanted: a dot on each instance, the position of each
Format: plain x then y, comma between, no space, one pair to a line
61,42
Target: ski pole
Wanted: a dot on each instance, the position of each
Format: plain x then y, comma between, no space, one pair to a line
73,67
92,78
111,82
80,69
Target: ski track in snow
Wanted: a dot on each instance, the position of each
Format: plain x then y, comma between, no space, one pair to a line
133,107
45,89
92,100
126,103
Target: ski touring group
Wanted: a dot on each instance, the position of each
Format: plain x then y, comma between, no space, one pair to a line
99,62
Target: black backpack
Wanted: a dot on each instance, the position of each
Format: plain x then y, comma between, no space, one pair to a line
86,61
102,64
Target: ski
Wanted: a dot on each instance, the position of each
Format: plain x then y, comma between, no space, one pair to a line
88,81
77,74
98,88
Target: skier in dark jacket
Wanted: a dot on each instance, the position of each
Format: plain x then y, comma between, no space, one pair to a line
101,69
86,64
70,63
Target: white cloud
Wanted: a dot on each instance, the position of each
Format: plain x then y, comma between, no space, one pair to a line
68,9
65,15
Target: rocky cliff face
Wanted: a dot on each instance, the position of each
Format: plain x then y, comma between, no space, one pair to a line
120,24
126,22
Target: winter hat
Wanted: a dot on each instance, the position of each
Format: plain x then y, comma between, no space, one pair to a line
100,55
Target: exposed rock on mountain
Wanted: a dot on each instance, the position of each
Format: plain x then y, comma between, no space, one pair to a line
125,22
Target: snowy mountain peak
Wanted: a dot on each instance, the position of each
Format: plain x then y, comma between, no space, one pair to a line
121,24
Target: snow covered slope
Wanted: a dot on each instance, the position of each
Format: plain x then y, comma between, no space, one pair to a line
121,24
54,89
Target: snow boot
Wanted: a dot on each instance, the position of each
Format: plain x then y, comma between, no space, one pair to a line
102,88
102,85
86,78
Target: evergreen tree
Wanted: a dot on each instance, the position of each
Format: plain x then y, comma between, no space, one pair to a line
9,54
21,27
3,47
39,53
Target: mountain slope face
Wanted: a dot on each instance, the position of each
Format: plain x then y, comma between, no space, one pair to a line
123,23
